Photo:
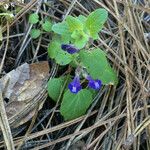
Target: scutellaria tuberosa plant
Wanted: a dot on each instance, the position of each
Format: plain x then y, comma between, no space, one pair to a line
71,45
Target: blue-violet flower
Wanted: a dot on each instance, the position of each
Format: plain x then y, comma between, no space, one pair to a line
94,84
69,48
75,85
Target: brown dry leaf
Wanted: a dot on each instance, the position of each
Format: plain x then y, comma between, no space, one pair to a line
13,107
22,85
33,85
8,82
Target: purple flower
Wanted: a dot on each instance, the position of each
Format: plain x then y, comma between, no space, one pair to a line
75,85
69,48
94,84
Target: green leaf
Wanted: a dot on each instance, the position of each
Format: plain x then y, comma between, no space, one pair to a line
97,66
55,51
80,39
47,26
65,38
82,18
74,63
61,28
75,105
94,61
81,42
33,18
76,34
54,87
35,33
109,76
63,58
95,22
74,23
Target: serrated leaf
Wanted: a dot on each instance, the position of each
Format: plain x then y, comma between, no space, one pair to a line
95,21
75,105
33,18
55,51
35,33
54,87
97,66
60,28
47,26
74,23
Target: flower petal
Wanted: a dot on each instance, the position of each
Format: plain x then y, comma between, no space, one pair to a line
75,85
94,84
69,48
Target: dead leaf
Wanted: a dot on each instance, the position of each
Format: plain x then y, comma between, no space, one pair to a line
25,82
31,87
8,82
13,107
22,86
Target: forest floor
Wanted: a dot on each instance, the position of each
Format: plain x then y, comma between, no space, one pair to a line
119,116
